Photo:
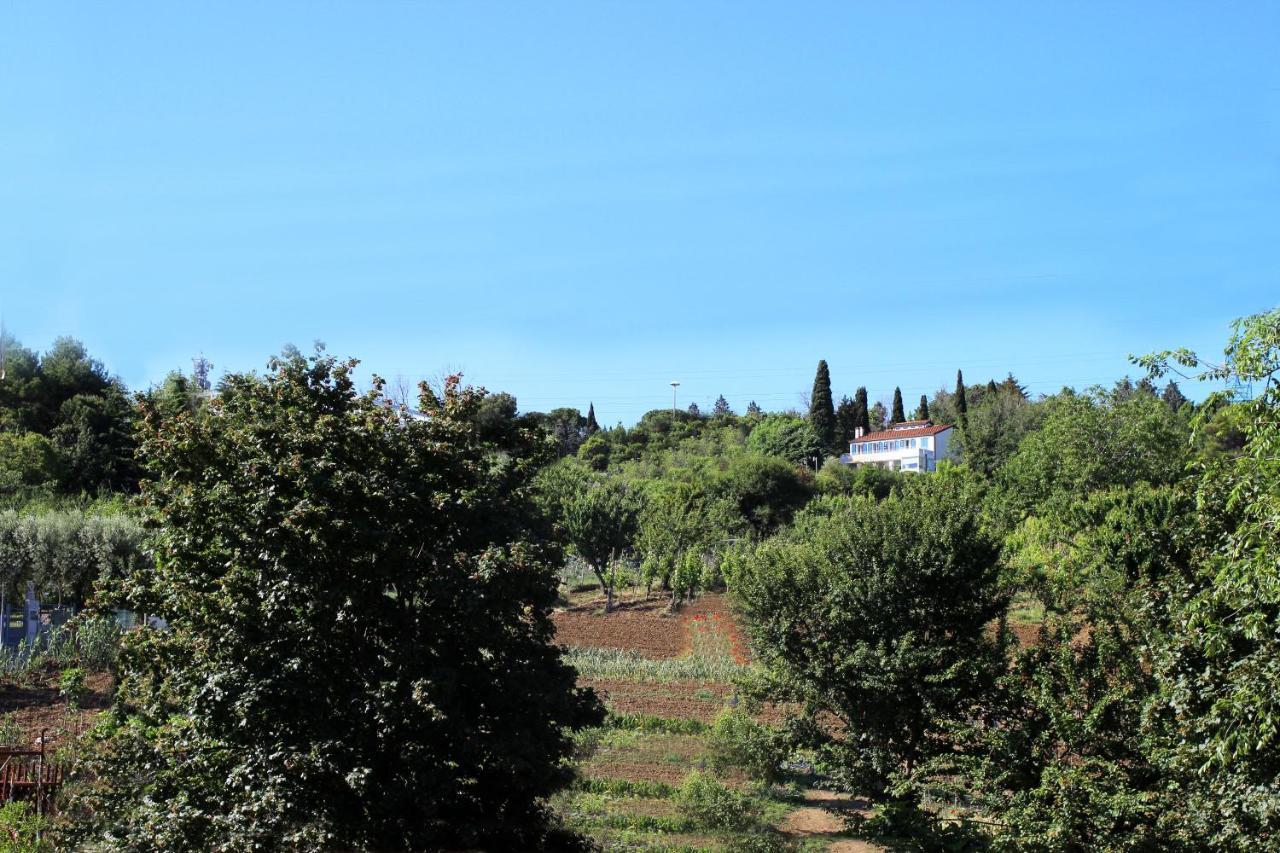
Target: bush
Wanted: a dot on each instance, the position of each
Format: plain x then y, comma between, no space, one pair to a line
704,800
10,731
71,686
736,740
20,829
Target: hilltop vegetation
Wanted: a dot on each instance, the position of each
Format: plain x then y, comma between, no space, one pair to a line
1068,635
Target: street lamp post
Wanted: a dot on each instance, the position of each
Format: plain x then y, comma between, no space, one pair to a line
674,386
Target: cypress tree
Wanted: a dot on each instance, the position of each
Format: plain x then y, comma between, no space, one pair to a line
962,404
822,410
846,420
592,425
862,417
922,413
898,415
1173,396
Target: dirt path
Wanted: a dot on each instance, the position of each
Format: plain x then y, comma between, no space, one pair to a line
824,818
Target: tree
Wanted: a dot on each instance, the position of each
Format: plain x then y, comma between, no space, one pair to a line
753,408
922,411
201,367
1066,747
721,407
598,515
1217,688
863,412
1010,385
764,491
1173,396
676,520
566,426
961,402
877,613
593,426
1089,442
822,412
992,388
898,415
995,427
847,421
694,410
788,437
876,417
495,417
29,461
359,648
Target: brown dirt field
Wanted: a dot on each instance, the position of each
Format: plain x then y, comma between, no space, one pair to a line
654,758
690,699
644,624
824,818
38,707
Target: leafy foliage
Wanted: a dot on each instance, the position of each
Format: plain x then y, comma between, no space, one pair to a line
876,613
359,646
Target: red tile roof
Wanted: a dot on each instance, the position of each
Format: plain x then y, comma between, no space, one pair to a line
913,432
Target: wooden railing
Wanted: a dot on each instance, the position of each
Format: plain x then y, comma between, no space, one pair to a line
26,773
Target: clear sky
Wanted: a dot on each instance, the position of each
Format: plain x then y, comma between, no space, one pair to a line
581,202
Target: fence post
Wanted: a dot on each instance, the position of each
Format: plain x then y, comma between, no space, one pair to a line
32,616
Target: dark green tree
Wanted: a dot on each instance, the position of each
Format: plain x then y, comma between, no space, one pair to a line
496,417
788,437
1173,396
846,422
822,410
721,407
898,415
765,491
961,401
877,613
593,426
359,649
1010,385
922,411
753,408
877,416
864,412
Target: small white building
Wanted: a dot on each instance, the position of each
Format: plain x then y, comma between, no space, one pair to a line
908,446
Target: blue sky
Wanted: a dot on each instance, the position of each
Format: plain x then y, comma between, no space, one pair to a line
581,202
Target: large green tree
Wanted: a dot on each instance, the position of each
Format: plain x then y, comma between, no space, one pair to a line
877,613
788,437
1218,674
897,416
822,410
359,651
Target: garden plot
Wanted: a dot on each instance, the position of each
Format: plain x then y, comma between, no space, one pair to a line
657,776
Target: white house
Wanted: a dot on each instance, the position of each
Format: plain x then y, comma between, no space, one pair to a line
908,446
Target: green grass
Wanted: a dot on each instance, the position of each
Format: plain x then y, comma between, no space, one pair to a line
1026,609
630,666
655,724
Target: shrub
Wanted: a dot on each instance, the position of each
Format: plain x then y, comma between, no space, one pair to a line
71,686
704,800
736,740
10,731
21,828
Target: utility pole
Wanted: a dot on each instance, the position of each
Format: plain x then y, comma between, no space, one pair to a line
674,386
